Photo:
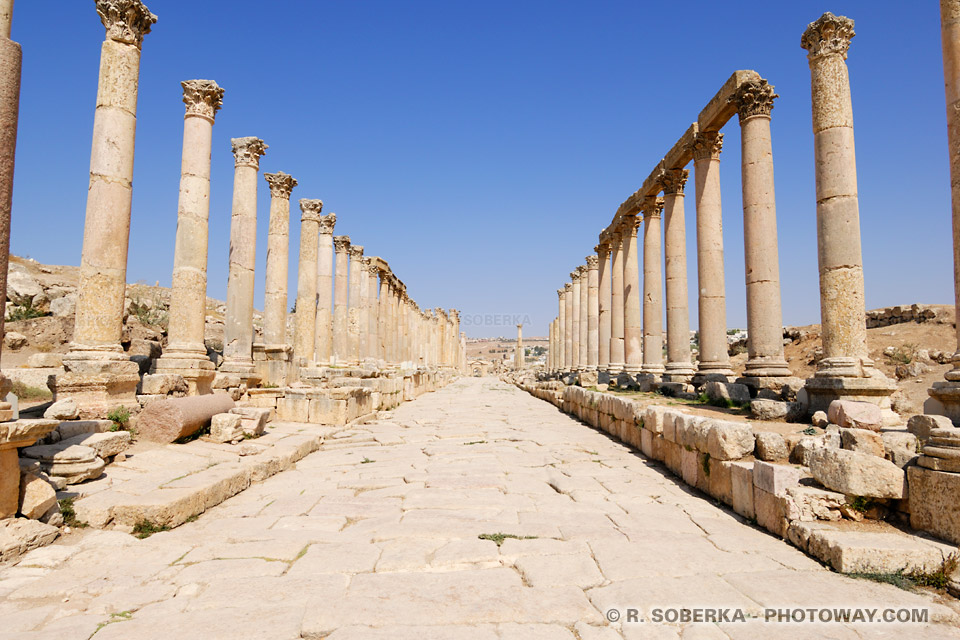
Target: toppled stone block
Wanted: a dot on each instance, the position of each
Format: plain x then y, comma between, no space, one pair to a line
855,415
45,360
901,448
736,393
820,420
142,347
810,503
255,419
774,478
226,427
226,381
863,441
729,440
921,425
20,535
37,496
163,384
763,409
73,462
171,419
771,447
933,502
105,445
62,410
857,474
14,341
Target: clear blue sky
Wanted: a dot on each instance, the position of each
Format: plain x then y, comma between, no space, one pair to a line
480,147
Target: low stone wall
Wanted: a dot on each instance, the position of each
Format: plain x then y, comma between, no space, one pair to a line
908,313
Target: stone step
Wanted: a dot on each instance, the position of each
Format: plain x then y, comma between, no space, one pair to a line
168,485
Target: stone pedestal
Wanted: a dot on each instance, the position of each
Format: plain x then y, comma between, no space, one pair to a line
652,287
238,327
845,371
98,373
712,300
632,326
186,353
19,433
754,101
341,247
616,305
679,367
945,396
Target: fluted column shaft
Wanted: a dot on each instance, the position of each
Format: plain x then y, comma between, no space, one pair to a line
652,288
592,309
617,356
341,247
603,308
278,259
712,300
679,366
632,327
306,317
323,333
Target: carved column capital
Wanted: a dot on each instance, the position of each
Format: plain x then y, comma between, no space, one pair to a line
560,292
247,151
652,207
629,225
372,269
707,145
829,35
311,210
575,275
568,287
672,181
327,222
356,251
341,243
593,262
754,98
202,97
281,184
126,21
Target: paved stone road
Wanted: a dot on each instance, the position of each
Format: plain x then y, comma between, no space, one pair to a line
376,536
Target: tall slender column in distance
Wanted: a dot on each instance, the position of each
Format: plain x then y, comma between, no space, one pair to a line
603,307
519,357
10,64
354,304
323,335
383,318
568,358
593,313
373,286
561,330
186,352
306,316
679,368
341,352
652,288
577,286
632,327
278,258
617,356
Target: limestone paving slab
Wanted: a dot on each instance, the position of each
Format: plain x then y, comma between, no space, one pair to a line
381,539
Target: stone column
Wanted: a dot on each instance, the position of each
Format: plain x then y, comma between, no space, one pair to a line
10,63
354,304
561,330
99,374
186,353
603,307
679,367
550,346
363,319
305,319
383,318
323,334
712,299
577,287
568,359
845,369
754,101
632,328
519,357
945,396
373,338
617,357
593,313
238,328
584,323
652,288
341,351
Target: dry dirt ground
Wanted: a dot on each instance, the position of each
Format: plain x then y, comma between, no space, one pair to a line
477,511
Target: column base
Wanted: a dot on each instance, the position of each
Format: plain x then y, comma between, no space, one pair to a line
944,400
274,364
776,384
653,369
615,368
99,385
678,372
822,390
244,369
767,368
198,370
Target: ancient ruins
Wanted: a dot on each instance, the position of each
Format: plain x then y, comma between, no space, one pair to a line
276,482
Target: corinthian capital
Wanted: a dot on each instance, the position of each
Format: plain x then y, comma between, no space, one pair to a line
202,97
311,209
828,35
560,293
127,21
575,275
707,144
652,207
628,226
356,251
281,184
567,288
754,98
327,222
341,243
247,151
672,181
372,269
593,262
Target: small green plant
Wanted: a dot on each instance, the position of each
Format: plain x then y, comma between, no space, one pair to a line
705,464
144,528
23,309
897,579
69,514
940,578
192,518
269,386
367,461
500,537
810,431
120,416
861,504
903,354
467,444
26,392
